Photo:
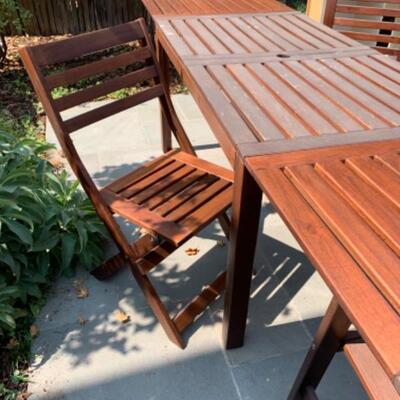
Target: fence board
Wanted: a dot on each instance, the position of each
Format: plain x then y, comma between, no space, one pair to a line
54,17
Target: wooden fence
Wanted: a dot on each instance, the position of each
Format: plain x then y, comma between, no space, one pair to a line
50,17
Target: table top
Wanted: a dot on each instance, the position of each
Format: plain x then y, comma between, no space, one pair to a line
201,7
283,80
343,206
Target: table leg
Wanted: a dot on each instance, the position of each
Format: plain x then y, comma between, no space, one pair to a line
243,238
328,340
166,137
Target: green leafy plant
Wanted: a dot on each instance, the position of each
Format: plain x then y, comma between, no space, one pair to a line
47,227
11,14
46,222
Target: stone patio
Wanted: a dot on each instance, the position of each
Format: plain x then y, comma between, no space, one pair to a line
105,359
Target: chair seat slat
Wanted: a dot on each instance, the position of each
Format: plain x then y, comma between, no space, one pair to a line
151,179
186,195
163,184
171,191
144,217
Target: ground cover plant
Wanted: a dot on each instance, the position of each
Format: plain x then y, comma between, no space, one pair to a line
47,227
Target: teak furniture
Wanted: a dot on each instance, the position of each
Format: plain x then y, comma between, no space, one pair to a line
209,7
375,22
200,7
272,83
172,197
342,204
282,79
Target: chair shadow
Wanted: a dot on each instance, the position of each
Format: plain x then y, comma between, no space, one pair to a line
175,287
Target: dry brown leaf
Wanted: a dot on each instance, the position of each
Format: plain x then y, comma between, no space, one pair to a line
82,292
12,344
192,251
24,396
122,317
34,330
79,282
81,321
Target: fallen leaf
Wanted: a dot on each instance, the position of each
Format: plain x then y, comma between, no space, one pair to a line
81,321
34,330
192,251
12,344
122,317
24,396
220,243
79,282
82,292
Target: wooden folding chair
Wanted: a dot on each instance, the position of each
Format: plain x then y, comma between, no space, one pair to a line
171,197
366,22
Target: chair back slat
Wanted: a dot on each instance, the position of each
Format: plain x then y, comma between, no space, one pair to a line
104,65
102,73
115,107
78,46
375,22
109,86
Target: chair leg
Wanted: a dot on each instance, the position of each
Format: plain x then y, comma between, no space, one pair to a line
225,223
328,340
158,307
110,267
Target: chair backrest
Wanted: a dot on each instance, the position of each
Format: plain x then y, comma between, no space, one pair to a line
376,22
126,52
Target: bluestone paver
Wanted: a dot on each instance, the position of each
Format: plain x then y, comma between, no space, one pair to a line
84,352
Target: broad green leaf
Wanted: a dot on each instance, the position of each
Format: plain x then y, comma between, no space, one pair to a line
8,259
7,320
20,230
68,241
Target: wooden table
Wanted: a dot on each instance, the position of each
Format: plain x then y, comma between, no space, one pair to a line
342,204
157,8
282,79
201,7
276,82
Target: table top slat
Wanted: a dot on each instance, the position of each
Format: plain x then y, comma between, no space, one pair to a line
204,7
287,123
380,176
349,234
372,254
390,160
363,197
316,123
353,90
291,79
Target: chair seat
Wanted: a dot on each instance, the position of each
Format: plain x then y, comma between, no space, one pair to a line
175,195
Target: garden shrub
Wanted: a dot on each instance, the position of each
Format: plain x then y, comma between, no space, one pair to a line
47,227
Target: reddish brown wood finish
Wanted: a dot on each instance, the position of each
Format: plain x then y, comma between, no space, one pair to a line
342,204
283,80
201,7
375,23
172,197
